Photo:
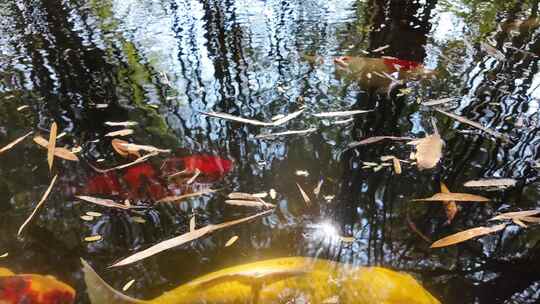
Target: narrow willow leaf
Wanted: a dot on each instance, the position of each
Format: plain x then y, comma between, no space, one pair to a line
87,218
192,223
183,239
514,215
306,198
317,189
93,214
475,124
231,241
252,121
51,145
5,255
128,285
496,182
273,194
457,197
125,148
123,132
137,161
102,202
397,165
194,177
374,139
291,132
15,142
170,199
436,102
246,203
58,151
341,113
428,151
121,123
39,204
466,235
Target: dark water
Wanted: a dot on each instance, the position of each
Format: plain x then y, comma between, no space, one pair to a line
255,59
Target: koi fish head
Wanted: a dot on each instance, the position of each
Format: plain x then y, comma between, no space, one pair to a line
33,288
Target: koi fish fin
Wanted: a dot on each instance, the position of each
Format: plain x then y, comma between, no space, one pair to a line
100,292
4,272
252,278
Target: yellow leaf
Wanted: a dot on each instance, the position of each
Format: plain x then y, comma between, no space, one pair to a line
52,144
466,235
93,238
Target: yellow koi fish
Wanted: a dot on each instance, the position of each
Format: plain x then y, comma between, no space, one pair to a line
33,289
283,280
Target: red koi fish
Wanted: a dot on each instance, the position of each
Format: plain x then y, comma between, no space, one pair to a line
33,289
143,181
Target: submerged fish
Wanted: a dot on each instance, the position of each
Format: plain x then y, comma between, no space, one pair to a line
380,73
144,181
283,280
33,289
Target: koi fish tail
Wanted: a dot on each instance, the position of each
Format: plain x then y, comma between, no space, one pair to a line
100,292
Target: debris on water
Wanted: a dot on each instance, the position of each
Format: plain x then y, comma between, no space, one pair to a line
291,132
128,285
38,205
304,173
87,218
192,223
341,113
102,202
22,108
231,241
5,255
273,194
305,197
63,153
317,189
93,238
428,151
15,142
121,123
464,120
499,183
123,132
466,235
93,214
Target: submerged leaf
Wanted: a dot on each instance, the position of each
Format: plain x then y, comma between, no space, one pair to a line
16,141
450,207
458,197
182,239
466,235
137,161
39,204
428,151
475,124
247,203
170,199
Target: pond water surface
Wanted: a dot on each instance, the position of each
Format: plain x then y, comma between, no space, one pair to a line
161,63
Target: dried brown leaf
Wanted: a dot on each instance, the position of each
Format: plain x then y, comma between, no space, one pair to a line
58,151
466,235
123,132
397,165
15,142
102,202
515,215
125,148
39,204
428,151
51,145
457,197
475,124
247,203
306,198
170,199
183,239
496,182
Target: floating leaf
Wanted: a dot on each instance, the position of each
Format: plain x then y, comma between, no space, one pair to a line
273,194
59,152
120,149
102,202
252,121
123,132
138,219
247,203
498,182
93,238
291,132
341,113
231,241
304,195
16,141
317,189
466,235
5,255
125,148
39,204
194,177
183,239
128,285
93,214
170,199
436,102
137,161
475,124
302,173
381,48
22,107
397,165
51,145
87,218
428,151
121,123
515,215
457,197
